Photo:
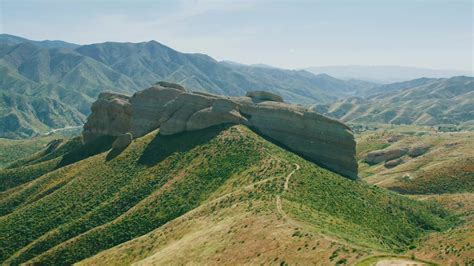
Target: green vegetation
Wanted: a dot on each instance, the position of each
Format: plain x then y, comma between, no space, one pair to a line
12,150
89,203
56,155
362,214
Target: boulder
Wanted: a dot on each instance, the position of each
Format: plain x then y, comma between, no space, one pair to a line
122,141
419,150
378,156
393,163
320,139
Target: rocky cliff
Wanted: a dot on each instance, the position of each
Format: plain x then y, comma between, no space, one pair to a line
173,109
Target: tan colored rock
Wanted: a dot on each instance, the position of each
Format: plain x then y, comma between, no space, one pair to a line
110,115
322,140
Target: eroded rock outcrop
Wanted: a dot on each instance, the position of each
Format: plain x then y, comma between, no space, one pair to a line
418,150
378,156
393,163
173,109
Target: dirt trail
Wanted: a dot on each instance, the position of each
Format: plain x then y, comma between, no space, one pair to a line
287,180
278,199
398,262
388,260
298,224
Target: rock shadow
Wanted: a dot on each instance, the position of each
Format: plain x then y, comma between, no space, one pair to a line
114,152
99,145
163,146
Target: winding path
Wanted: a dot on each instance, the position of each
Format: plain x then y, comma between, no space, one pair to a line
298,224
278,199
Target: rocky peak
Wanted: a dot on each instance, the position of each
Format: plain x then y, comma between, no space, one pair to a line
173,109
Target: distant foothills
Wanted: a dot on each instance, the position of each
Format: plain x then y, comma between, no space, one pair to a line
48,85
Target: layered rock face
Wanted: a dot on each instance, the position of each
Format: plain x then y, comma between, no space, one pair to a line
172,109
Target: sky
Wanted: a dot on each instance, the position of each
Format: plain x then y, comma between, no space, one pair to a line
290,34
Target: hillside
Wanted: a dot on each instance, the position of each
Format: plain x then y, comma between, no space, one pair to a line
12,149
438,166
57,81
247,193
451,247
433,162
434,102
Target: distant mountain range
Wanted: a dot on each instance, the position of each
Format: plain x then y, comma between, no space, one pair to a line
47,85
385,74
421,102
51,84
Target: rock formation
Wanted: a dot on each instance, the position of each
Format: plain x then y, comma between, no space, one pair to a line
375,157
172,109
393,163
122,141
419,150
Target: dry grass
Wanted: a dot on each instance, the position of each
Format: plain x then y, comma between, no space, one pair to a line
232,235
447,167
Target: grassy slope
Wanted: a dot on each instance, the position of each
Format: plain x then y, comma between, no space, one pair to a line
12,150
56,155
447,167
341,212
452,247
94,204
444,173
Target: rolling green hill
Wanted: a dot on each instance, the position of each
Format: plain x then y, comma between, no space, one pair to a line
65,79
434,102
222,194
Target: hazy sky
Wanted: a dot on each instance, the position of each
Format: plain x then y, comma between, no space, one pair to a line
290,34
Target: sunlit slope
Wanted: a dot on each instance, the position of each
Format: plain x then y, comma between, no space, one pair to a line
445,166
206,179
423,102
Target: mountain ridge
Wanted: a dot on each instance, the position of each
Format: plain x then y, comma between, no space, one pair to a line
12,39
76,76
429,102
